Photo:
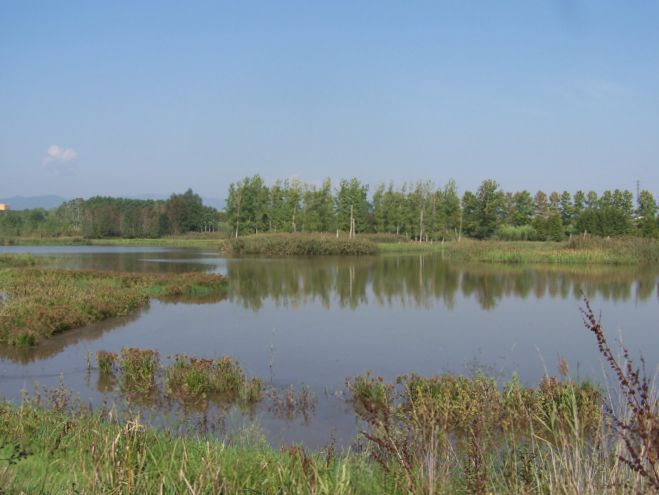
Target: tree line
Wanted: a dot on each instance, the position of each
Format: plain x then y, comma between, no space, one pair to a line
416,211
101,216
424,211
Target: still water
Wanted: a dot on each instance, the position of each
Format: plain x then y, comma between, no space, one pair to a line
315,321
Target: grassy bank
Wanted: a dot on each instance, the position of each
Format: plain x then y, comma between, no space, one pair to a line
38,303
299,245
589,250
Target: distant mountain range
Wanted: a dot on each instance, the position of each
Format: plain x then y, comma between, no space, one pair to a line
52,201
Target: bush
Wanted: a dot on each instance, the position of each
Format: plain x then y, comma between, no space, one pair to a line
507,232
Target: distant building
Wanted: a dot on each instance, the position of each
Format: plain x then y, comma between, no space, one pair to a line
4,207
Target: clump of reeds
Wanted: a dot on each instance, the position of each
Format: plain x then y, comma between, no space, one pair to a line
300,245
139,368
190,378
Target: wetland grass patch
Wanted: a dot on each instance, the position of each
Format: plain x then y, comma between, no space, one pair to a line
578,250
190,378
42,302
300,245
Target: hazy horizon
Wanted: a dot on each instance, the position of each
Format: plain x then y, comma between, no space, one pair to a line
122,99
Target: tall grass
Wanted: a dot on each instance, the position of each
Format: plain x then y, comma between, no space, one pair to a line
451,434
81,452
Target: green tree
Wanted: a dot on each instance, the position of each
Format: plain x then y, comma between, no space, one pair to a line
647,214
247,206
566,208
541,204
523,208
452,209
352,206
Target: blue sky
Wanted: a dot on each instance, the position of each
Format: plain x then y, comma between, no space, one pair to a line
129,98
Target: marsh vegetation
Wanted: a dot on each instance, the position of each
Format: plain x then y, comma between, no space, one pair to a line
39,302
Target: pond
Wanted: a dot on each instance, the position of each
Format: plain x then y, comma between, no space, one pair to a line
312,322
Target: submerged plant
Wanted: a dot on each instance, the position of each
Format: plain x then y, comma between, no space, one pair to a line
290,402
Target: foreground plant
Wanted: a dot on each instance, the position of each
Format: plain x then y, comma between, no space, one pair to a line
638,425
468,434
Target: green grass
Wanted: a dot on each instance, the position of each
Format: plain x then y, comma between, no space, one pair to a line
50,451
39,303
299,245
591,250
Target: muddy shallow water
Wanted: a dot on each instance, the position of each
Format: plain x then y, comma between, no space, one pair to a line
315,321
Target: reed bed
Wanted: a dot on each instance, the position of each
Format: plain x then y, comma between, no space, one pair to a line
39,303
578,250
299,245
189,380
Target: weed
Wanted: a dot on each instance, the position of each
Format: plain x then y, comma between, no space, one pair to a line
638,425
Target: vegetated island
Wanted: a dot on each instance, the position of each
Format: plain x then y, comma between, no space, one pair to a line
37,303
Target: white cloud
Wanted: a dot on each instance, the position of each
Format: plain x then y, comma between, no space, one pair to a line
59,155
60,161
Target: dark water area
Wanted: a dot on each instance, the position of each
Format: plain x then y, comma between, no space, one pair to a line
315,321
